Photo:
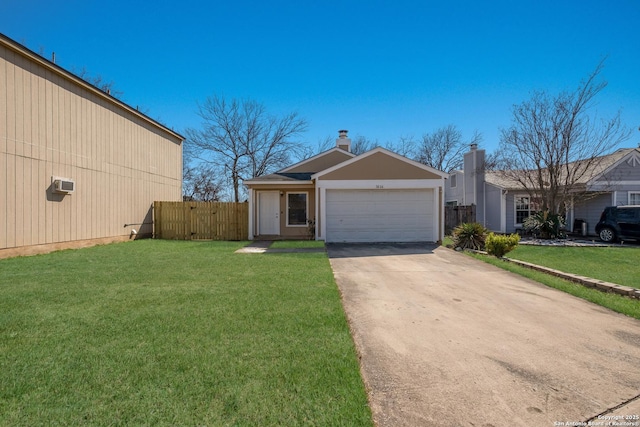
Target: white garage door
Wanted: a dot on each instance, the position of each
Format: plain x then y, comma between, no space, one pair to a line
380,216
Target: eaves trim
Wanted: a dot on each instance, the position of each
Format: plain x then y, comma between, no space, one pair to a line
278,183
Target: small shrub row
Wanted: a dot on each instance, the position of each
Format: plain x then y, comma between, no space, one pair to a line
473,235
499,245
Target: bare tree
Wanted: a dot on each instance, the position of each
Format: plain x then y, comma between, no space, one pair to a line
491,161
405,146
443,148
240,138
553,144
361,144
308,151
201,183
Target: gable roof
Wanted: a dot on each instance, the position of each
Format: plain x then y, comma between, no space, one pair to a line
606,164
282,178
614,160
499,179
320,161
375,152
294,175
301,172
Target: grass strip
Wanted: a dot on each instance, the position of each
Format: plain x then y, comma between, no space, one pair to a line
297,244
611,264
618,303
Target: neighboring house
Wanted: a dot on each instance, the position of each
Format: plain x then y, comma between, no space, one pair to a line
76,164
378,196
502,204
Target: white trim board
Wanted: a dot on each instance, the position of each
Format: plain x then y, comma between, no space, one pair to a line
380,184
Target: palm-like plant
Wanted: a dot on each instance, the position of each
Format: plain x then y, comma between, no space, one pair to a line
469,235
545,224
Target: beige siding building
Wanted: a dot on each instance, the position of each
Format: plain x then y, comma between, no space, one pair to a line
55,127
336,196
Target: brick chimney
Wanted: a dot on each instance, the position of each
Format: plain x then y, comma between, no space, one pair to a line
343,141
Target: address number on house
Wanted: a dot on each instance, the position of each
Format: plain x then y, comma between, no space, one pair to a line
378,186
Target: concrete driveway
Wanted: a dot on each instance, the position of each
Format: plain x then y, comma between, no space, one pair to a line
446,340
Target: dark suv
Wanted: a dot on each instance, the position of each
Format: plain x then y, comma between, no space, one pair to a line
619,222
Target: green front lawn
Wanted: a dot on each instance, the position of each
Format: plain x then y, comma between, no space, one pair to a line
158,332
612,264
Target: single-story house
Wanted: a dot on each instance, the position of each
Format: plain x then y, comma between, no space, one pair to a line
77,165
502,204
337,196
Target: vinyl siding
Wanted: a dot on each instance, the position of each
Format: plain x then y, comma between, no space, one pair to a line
627,170
493,207
52,126
622,178
455,194
510,213
590,210
379,166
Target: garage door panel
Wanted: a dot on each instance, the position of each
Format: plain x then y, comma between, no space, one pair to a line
380,215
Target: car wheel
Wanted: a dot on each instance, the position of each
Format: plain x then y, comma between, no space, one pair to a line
607,235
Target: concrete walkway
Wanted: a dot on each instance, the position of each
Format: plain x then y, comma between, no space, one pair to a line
447,340
255,247
263,246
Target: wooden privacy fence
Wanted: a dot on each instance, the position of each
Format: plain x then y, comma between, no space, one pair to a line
201,220
456,215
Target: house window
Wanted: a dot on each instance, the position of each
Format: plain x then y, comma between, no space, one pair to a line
634,197
523,209
297,209
454,181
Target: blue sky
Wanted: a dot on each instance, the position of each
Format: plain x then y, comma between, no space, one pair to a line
382,69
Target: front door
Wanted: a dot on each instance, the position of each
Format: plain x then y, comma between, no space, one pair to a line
268,213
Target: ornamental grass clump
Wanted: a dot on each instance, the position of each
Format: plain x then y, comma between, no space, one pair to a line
545,225
469,235
499,245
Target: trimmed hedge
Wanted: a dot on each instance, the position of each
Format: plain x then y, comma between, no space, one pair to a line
498,245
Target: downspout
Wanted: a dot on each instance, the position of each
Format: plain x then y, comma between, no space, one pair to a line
573,214
323,210
317,210
503,211
441,204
